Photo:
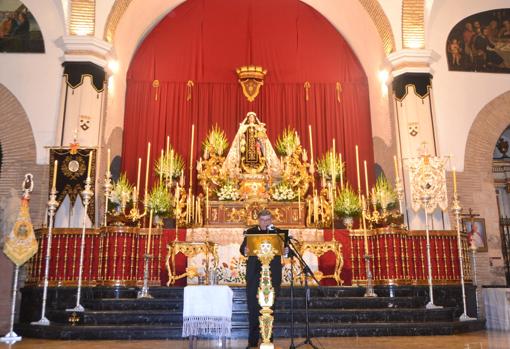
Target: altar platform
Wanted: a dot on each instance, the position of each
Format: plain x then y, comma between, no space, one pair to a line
115,313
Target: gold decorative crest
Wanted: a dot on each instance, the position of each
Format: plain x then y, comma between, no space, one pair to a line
251,79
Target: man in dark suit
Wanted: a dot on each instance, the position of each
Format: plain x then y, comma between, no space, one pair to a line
253,269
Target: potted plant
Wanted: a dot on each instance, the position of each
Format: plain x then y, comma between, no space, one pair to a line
325,166
347,206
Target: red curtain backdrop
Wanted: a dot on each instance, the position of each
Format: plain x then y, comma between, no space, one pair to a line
206,40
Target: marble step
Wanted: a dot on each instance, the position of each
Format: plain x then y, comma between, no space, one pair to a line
240,303
56,331
240,292
281,316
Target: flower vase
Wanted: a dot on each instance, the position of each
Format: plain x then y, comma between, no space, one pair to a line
348,222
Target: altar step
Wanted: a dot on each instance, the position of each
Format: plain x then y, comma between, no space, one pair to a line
136,317
239,303
128,332
115,313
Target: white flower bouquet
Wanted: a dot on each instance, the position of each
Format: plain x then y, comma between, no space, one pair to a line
228,192
282,192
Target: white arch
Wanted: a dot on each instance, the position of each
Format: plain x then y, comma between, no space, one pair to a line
349,17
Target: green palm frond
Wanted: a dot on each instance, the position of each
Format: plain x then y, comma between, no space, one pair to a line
325,162
347,203
216,141
287,142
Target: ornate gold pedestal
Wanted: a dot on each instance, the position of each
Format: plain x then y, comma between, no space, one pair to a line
190,249
266,294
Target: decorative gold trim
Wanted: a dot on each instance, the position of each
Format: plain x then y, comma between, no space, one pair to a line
66,77
413,24
116,13
426,95
382,24
372,7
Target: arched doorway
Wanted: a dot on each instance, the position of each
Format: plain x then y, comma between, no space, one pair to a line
476,183
18,158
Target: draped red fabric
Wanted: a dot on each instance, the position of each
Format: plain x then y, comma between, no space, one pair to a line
204,41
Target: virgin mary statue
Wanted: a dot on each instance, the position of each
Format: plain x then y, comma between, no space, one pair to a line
251,151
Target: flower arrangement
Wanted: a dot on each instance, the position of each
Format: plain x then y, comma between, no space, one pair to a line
384,195
282,192
347,203
228,192
325,165
288,142
215,142
164,165
160,200
121,193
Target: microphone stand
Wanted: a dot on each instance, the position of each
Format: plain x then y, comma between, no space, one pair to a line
308,272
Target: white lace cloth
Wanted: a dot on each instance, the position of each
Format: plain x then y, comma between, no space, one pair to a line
207,311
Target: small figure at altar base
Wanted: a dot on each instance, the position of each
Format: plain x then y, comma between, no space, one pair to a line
253,269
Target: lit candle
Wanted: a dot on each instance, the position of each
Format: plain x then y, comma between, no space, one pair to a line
147,168
167,144
55,167
396,166
90,164
366,177
191,155
341,172
108,161
150,232
161,168
138,176
454,181
135,196
357,170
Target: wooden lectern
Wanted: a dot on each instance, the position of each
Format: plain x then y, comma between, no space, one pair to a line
266,247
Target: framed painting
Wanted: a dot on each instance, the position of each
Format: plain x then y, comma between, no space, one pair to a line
476,233
19,31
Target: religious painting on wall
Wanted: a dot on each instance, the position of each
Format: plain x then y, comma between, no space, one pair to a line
19,31
475,230
481,43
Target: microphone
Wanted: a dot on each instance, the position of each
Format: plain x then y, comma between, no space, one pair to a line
271,227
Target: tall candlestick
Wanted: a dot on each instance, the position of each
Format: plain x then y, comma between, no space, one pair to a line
150,232
55,167
365,237
161,168
147,169
138,174
108,161
357,170
366,177
333,167
396,166
171,172
454,181
311,145
341,172
167,144
90,164
191,155
299,202
207,204
135,196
